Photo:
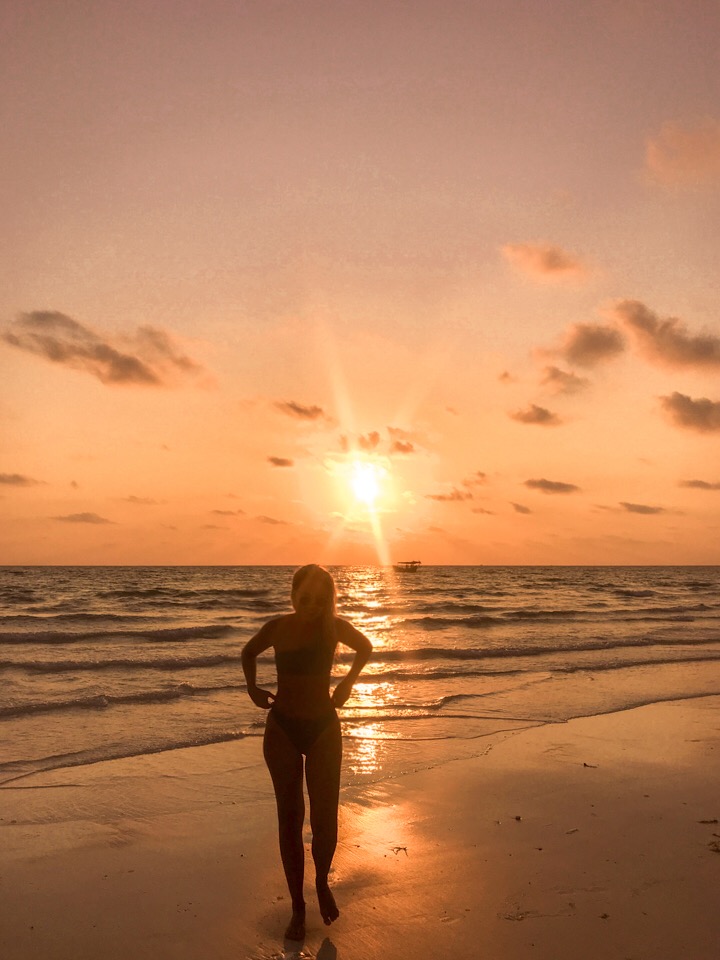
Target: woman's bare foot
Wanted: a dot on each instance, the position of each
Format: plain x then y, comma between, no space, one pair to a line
328,907
296,928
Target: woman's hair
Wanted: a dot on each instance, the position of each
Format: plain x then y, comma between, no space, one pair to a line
316,575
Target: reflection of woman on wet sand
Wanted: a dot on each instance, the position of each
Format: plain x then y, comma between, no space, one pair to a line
303,720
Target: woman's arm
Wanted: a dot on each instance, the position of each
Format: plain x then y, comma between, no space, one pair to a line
350,637
256,645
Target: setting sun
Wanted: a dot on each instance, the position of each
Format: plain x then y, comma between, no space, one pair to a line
365,482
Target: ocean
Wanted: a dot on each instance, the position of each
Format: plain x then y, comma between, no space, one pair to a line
99,663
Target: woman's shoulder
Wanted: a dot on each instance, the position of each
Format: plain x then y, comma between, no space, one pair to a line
343,628
276,626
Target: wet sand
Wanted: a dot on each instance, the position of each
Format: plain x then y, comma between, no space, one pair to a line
597,838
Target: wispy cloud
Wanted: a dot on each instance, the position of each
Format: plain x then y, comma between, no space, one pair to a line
685,155
521,508
642,508
476,479
82,518
370,441
149,357
490,513
402,446
536,415
143,501
301,411
228,513
281,461
563,381
452,496
398,433
702,414
551,486
545,261
272,521
588,344
405,441
667,341
18,480
699,485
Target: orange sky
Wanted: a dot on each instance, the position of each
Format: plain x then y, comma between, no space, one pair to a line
470,246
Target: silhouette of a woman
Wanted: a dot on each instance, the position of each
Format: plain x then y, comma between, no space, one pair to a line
303,722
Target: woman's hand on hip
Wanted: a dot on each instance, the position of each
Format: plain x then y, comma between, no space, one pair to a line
261,698
341,693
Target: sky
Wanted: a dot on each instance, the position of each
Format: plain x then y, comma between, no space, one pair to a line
358,282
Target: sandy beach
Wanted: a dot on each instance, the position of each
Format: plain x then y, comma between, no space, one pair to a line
596,838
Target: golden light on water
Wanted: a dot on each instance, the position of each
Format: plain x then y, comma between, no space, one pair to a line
368,738
366,747
372,695
364,596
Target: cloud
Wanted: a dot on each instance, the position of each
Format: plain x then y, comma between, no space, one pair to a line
407,441
148,358
699,485
301,411
143,501
412,436
520,508
18,480
587,344
402,446
490,513
228,513
82,518
552,486
702,415
563,381
369,441
685,155
272,520
536,415
506,377
475,479
453,496
668,341
642,508
280,461
544,261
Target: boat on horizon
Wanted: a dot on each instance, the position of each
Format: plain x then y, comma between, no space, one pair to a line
407,566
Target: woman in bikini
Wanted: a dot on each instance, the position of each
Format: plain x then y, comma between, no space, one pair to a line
303,721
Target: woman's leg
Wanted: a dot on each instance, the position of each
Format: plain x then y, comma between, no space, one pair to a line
322,772
285,764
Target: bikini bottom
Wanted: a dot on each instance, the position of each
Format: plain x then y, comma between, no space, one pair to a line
304,731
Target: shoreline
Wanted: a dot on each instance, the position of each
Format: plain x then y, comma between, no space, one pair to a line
580,838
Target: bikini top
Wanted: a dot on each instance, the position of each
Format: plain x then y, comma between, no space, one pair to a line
311,659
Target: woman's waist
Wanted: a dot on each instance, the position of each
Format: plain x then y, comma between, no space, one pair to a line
303,702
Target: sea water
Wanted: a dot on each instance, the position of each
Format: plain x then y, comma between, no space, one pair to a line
99,663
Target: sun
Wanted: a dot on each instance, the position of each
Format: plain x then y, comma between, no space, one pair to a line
365,480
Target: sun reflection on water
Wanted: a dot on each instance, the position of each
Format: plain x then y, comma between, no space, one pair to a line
368,599
364,749
373,696
366,737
